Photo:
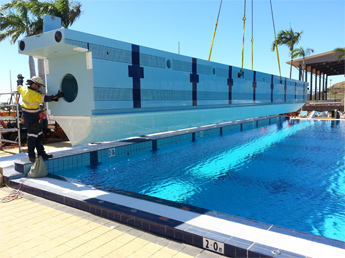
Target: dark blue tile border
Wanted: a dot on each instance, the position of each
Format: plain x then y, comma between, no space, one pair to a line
170,228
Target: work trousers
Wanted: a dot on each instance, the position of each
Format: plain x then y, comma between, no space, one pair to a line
34,139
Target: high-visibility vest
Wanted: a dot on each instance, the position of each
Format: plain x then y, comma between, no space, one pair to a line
31,99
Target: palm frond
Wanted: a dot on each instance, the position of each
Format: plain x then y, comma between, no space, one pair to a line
340,52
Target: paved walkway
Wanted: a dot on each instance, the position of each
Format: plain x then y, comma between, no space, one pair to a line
48,147
35,227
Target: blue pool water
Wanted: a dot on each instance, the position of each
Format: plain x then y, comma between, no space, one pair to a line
290,175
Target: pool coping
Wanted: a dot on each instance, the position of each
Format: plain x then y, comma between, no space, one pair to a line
191,225
160,222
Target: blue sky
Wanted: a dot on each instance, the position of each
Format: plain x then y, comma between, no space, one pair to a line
163,24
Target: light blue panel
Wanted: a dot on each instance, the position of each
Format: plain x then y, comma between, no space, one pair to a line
112,89
208,83
212,102
300,88
242,91
212,90
51,22
278,79
248,125
263,77
290,90
206,133
232,128
163,85
165,88
111,107
222,71
173,140
111,74
165,79
94,39
76,65
263,92
263,122
248,74
278,93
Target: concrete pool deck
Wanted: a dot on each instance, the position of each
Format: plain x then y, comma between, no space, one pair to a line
236,237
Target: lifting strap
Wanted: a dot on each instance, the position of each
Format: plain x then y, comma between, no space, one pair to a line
275,40
215,29
244,26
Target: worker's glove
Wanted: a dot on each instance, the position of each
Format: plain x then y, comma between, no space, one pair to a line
58,95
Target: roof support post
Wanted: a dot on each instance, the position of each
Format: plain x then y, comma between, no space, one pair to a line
306,81
315,93
320,87
311,84
323,86
326,84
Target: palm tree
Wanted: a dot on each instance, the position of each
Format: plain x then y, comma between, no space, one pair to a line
301,52
67,10
24,17
340,51
289,38
16,20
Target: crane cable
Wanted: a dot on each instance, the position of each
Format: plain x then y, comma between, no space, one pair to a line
275,40
252,40
215,29
244,27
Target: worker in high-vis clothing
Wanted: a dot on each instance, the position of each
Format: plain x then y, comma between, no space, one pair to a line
31,100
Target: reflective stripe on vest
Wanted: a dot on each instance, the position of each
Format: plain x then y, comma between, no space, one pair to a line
31,104
34,135
31,110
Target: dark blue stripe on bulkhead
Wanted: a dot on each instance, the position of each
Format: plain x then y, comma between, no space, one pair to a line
254,86
230,84
272,87
137,73
194,79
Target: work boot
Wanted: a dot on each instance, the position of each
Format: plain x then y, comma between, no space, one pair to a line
46,156
32,159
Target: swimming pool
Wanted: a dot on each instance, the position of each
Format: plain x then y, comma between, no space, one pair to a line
289,175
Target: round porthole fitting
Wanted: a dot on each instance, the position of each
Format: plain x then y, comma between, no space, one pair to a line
69,87
22,45
58,36
169,63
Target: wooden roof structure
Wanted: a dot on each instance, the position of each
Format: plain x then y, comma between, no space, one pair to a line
325,63
319,66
